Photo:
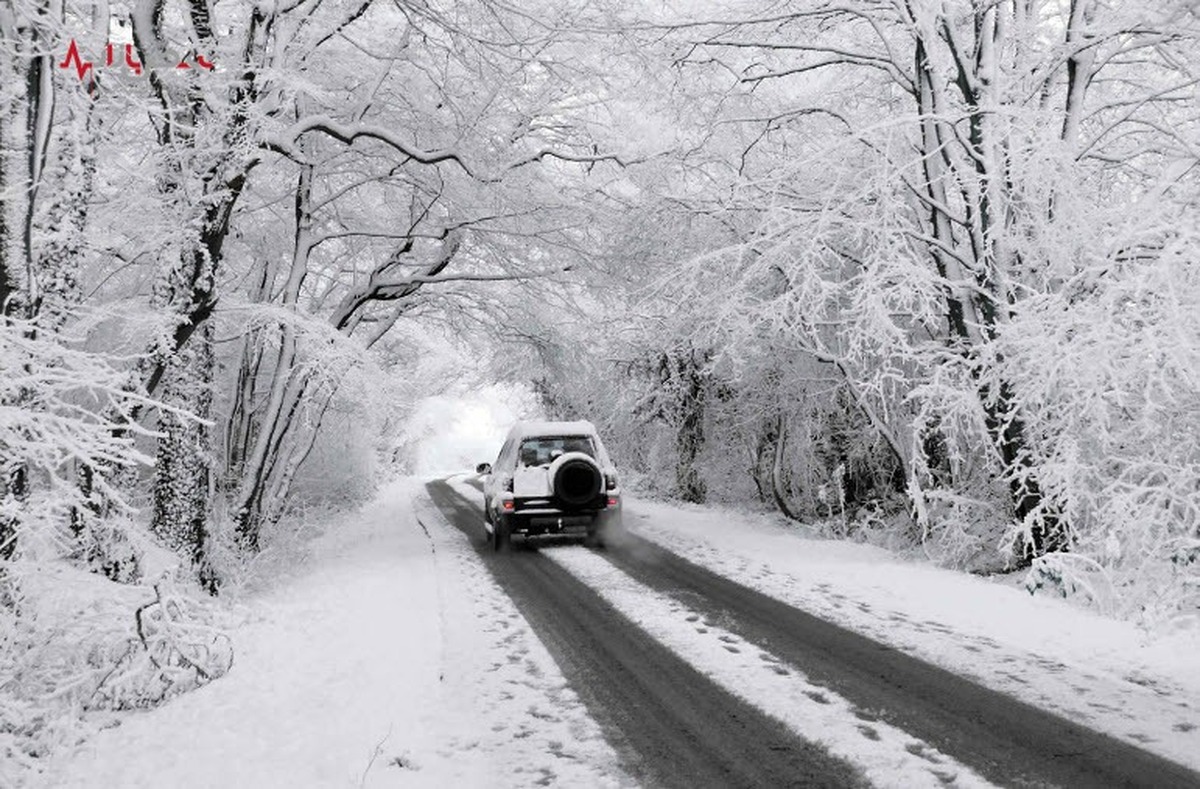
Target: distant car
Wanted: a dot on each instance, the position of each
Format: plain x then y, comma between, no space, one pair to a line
551,479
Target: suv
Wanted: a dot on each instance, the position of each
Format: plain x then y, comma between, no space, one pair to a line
551,479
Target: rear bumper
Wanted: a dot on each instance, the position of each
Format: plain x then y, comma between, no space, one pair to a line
550,522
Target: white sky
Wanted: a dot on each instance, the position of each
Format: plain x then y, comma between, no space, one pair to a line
451,433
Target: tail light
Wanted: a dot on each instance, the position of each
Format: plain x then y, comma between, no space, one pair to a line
613,501
508,505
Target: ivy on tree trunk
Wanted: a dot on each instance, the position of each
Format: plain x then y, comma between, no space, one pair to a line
183,472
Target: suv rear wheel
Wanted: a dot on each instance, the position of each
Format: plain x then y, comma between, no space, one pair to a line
501,535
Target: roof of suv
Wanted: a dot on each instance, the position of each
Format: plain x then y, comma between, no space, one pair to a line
533,429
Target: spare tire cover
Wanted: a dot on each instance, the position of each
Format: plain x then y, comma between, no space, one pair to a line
575,479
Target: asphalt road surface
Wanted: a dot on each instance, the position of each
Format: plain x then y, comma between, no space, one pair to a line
674,727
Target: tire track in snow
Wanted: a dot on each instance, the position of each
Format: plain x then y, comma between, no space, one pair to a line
507,717
672,725
888,756
1131,702
1006,740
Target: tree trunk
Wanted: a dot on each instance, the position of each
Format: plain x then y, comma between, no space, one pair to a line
301,446
183,473
1049,531
933,146
13,487
289,390
264,432
185,289
61,226
689,435
779,491
762,458
26,112
974,318
240,431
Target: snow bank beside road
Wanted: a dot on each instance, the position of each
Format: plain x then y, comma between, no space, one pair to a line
328,666
390,660
1101,672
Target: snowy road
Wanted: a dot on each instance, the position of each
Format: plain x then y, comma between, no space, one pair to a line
681,715
672,726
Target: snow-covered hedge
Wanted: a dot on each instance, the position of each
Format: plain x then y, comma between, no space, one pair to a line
1109,367
73,642
83,627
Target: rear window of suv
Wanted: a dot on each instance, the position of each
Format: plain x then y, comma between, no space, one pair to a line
542,450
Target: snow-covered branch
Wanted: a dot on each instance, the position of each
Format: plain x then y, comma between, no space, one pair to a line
285,142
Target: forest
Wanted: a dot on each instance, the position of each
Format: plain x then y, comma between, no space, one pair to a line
924,273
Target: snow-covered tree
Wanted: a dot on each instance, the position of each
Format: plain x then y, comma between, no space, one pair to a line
921,181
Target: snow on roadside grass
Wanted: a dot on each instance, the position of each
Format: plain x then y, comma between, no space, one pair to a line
1101,672
76,646
888,756
384,662
334,662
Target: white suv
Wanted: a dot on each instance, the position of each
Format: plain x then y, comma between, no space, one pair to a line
551,479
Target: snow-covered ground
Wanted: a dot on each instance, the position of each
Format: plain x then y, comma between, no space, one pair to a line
390,659
1104,673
